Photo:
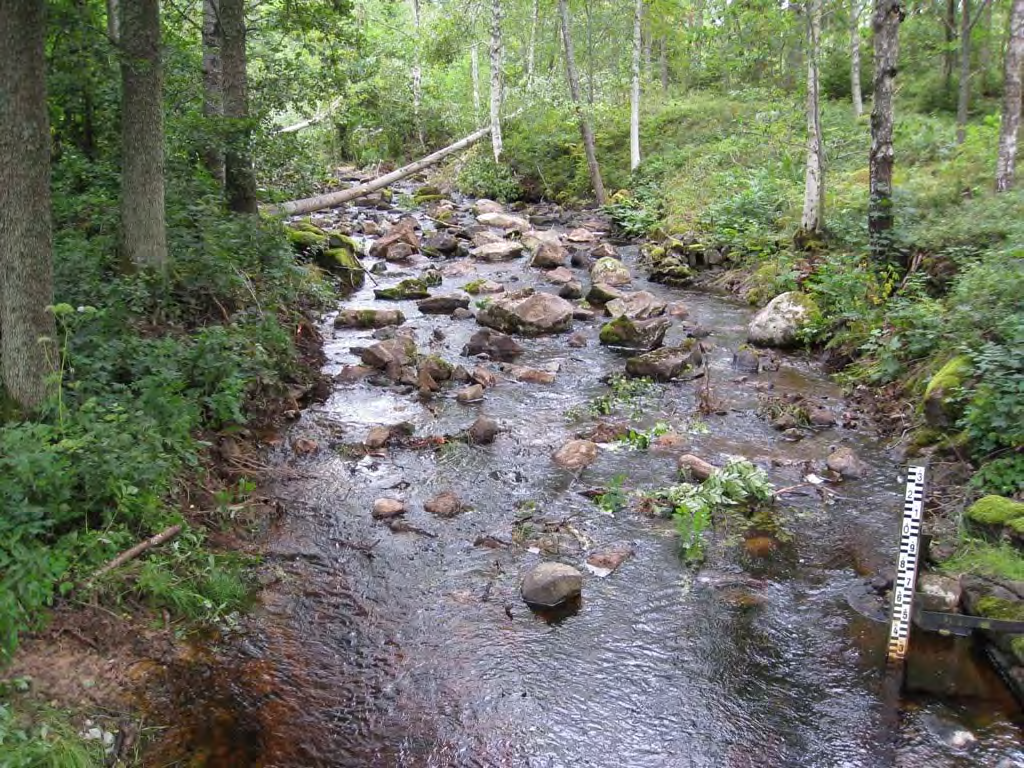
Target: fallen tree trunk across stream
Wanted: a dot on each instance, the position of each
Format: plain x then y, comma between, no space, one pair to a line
310,204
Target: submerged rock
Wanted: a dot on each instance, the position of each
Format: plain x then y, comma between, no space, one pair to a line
497,346
550,585
779,323
696,467
665,364
446,505
601,294
606,560
549,255
368,318
483,431
474,393
845,463
400,351
575,455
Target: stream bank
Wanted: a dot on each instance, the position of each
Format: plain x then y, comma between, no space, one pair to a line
404,641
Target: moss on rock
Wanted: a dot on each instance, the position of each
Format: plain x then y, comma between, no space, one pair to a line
996,510
305,241
941,396
345,265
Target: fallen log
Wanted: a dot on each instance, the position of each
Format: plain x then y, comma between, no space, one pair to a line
317,118
310,204
138,549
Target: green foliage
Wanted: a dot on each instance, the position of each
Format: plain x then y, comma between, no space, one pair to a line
640,440
614,498
1002,561
738,484
44,739
482,177
626,392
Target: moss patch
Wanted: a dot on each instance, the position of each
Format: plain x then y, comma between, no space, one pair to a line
951,376
997,608
977,557
995,510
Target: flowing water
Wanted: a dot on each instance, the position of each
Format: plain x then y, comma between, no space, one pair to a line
377,648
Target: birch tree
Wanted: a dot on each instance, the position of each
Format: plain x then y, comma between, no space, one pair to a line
143,220
573,76
213,88
239,178
474,69
496,57
531,48
26,253
967,24
113,21
1009,128
855,95
417,75
886,27
634,100
814,178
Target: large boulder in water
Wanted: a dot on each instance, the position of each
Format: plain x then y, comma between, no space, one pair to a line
528,314
641,335
504,221
496,346
641,305
550,585
611,272
779,323
666,363
503,250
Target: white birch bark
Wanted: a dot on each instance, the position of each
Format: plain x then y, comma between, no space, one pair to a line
963,100
474,66
113,21
531,49
634,100
496,57
1009,128
855,93
417,75
814,178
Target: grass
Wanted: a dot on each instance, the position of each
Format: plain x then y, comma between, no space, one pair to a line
44,738
978,557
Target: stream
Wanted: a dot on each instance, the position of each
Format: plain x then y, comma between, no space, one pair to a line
412,647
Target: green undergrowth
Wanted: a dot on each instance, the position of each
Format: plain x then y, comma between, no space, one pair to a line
44,738
151,370
979,557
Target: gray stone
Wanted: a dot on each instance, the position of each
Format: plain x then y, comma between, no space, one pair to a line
442,305
664,364
483,431
505,221
640,335
550,585
497,346
549,255
506,250
696,467
528,314
368,318
611,272
641,305
571,290
778,324
575,455
386,509
474,393
845,463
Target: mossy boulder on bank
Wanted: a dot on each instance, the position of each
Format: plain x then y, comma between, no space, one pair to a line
405,290
996,510
308,239
779,324
942,405
345,266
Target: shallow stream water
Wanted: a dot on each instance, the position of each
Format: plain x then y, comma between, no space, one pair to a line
377,648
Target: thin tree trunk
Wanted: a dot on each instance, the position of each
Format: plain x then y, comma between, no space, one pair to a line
27,351
664,64
143,221
310,204
239,178
814,179
417,76
886,26
949,54
1010,126
113,21
531,49
964,96
496,57
698,46
855,93
574,91
213,90
634,99
646,39
985,54
590,52
474,65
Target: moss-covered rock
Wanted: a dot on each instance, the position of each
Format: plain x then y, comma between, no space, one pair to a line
431,277
942,405
345,265
996,510
998,608
405,290
305,241
341,240
641,335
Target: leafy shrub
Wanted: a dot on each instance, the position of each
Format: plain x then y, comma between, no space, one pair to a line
482,177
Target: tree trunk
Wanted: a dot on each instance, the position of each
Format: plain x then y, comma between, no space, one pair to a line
531,49
417,76
474,66
855,94
213,91
886,26
574,91
590,52
985,54
664,65
696,56
310,204
239,178
143,221
496,56
28,354
634,97
113,21
814,179
949,54
1010,126
964,96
